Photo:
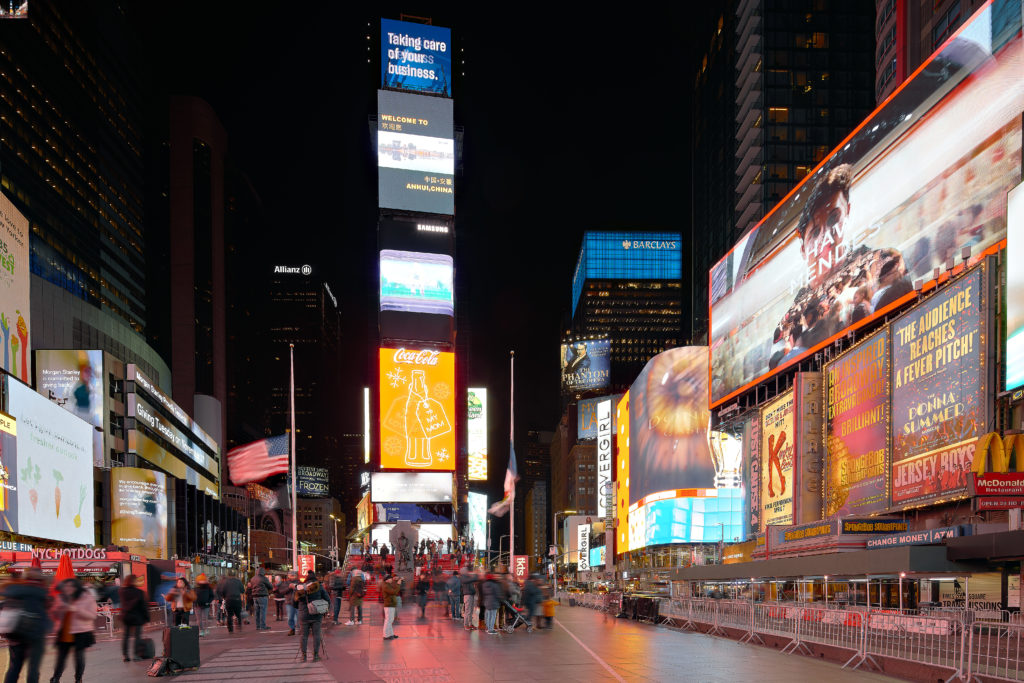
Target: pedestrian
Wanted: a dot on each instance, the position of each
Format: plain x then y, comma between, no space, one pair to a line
310,598
133,615
493,593
26,638
531,596
389,590
467,587
247,593
180,598
422,587
260,588
74,616
230,592
338,589
288,593
384,553
448,546
278,599
355,599
455,596
204,597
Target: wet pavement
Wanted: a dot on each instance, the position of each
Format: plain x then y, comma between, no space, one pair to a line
584,645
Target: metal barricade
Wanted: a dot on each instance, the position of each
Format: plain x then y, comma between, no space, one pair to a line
994,652
933,640
832,627
734,614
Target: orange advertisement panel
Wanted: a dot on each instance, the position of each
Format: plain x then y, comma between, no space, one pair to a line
622,475
777,461
417,409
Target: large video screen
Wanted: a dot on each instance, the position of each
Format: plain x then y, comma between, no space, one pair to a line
413,282
15,313
417,409
701,516
619,255
314,482
415,153
416,57
585,364
138,519
411,487
477,503
1015,289
669,420
923,179
53,465
411,512
74,380
939,393
476,432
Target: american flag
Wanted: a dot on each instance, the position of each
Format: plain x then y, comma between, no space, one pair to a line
511,477
258,460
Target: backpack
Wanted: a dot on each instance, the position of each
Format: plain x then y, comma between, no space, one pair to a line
17,623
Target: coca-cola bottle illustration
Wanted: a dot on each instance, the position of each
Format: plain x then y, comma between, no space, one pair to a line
417,445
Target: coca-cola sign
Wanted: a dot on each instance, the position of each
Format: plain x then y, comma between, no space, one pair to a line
423,357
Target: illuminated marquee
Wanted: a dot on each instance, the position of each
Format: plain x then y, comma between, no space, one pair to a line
417,409
476,419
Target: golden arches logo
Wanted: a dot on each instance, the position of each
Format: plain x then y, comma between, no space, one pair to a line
999,452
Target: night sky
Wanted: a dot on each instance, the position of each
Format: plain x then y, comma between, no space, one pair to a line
572,121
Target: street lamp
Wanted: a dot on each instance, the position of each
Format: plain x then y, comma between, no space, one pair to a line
826,591
337,550
903,575
554,536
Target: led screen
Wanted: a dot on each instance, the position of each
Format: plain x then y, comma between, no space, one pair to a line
415,153
410,512
314,482
597,556
15,318
417,409
412,282
1015,288
586,416
476,416
777,455
416,57
622,474
699,516
478,519
857,430
922,180
53,460
139,510
411,487
669,424
939,398
627,256
8,473
585,364
74,381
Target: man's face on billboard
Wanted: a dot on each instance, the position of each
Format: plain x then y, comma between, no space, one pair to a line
825,239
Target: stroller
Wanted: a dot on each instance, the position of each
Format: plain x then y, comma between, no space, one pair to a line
516,617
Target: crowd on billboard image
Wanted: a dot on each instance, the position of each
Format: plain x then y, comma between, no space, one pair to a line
922,184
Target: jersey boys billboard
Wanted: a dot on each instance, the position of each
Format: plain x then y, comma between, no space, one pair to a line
417,409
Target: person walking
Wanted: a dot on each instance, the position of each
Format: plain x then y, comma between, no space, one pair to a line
278,598
305,595
455,596
389,591
133,615
493,593
531,596
355,598
467,588
180,598
288,592
74,614
230,592
338,589
204,597
26,643
261,588
422,587
383,553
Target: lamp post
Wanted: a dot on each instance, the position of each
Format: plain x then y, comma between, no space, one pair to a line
826,591
554,536
903,575
337,550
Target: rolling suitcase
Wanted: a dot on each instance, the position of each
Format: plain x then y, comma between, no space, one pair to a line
181,647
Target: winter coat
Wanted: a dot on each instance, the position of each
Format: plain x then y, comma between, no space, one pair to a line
390,590
230,588
188,597
260,586
356,591
313,591
204,594
455,587
82,610
33,598
531,593
133,606
493,592
467,583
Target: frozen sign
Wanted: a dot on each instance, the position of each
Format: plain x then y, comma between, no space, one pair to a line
415,57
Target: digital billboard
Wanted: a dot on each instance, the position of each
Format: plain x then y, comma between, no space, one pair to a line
777,452
413,282
752,475
138,518
411,512
417,409
8,473
72,380
415,153
597,556
669,424
476,432
622,542
920,183
857,429
314,482
939,397
586,416
415,57
411,487
688,516
15,312
54,468
477,503
585,364
1015,288
627,256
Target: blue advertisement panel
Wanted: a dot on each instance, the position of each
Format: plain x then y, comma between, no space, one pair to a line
314,482
409,512
586,416
939,401
627,256
597,556
710,519
586,365
415,57
477,503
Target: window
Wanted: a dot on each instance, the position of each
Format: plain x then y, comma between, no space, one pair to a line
886,44
778,114
946,25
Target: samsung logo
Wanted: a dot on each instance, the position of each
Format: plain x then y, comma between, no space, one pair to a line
650,244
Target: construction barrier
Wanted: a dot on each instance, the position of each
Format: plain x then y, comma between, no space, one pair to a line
994,652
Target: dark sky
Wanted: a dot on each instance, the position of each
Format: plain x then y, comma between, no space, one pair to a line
572,121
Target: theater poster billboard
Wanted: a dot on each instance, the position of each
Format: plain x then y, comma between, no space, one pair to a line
857,429
777,454
939,396
585,364
921,182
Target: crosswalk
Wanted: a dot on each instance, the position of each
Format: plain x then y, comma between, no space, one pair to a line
267,664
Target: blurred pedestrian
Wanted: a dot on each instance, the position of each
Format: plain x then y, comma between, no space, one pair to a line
389,591
133,615
306,594
260,588
422,588
230,591
454,596
493,594
204,597
467,587
531,596
26,637
74,614
288,592
356,591
278,598
180,598
337,589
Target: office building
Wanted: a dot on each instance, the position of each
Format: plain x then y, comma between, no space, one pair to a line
536,526
316,527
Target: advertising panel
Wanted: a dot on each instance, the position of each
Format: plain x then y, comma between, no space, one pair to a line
415,153
777,461
752,446
904,195
583,548
939,401
307,563
809,451
415,282
520,567
15,318
691,516
585,365
622,543
147,385
669,424
925,537
410,512
73,380
8,473
147,415
985,591
597,556
54,458
416,57
1014,288
857,429
477,503
364,513
586,416
313,482
138,519
411,487
476,433
619,255
605,472
417,409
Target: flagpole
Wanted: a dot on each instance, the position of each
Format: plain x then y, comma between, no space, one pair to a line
291,409
511,446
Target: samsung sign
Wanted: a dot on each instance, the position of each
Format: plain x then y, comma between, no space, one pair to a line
925,537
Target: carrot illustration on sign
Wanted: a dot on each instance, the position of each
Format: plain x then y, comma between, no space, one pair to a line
81,499
31,474
56,492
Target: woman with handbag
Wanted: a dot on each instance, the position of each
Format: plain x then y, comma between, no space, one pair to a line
74,616
312,603
133,613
